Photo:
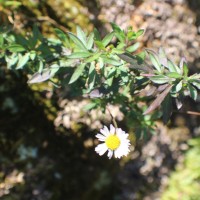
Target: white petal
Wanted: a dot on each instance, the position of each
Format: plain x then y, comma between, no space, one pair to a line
101,137
112,129
104,131
119,132
123,150
101,149
110,153
116,153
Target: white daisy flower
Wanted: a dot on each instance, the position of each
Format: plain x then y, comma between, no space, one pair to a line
115,141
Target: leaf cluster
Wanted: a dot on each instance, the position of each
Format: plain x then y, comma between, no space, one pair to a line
108,70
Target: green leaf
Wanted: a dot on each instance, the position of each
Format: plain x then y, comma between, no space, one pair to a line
133,47
121,45
177,87
196,84
100,45
32,55
54,68
93,57
69,62
77,41
81,35
139,33
107,39
16,48
79,55
185,70
111,61
155,61
116,28
195,77
172,67
136,62
41,66
178,101
193,92
91,76
12,60
97,36
1,40
160,79
101,62
117,51
62,36
109,81
167,108
90,41
22,61
173,75
118,32
36,36
111,72
77,73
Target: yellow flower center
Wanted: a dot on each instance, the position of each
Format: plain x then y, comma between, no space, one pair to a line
112,142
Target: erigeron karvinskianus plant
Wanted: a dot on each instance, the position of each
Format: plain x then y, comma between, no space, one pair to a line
108,70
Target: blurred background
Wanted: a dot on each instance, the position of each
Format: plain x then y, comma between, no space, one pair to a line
47,139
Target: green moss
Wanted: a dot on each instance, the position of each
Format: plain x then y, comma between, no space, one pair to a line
184,183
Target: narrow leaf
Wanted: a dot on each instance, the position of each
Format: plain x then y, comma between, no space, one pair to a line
97,36
135,62
140,32
196,84
185,70
193,92
1,40
133,47
100,45
179,102
81,35
77,73
177,87
16,48
158,100
93,57
173,75
167,108
90,41
77,41
40,77
155,61
91,76
172,67
107,39
160,79
118,32
111,61
41,66
22,61
79,55
182,61
62,36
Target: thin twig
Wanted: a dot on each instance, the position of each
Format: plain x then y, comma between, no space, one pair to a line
113,119
193,113
52,21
